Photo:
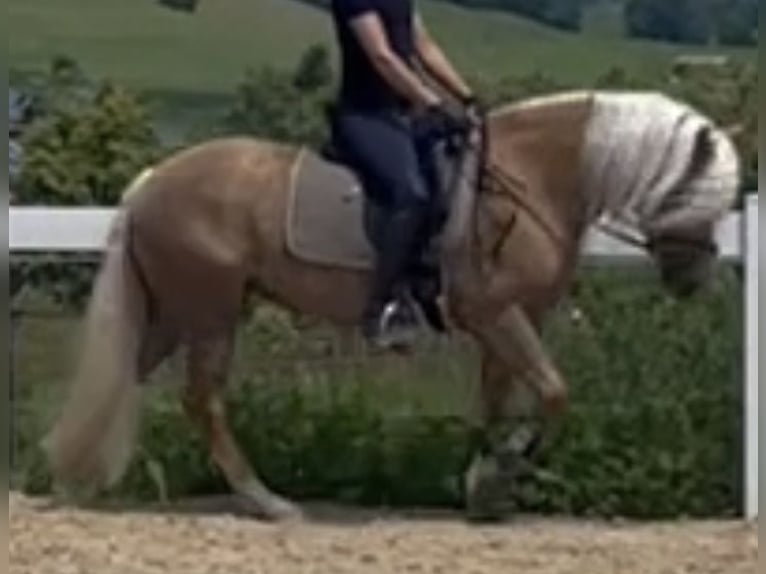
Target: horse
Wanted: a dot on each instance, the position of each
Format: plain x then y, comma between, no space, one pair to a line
203,228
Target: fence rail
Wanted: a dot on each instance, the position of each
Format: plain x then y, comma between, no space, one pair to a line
84,229
38,230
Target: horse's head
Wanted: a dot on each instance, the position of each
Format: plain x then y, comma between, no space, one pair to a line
685,257
682,233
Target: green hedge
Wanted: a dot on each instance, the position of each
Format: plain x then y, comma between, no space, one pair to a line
653,430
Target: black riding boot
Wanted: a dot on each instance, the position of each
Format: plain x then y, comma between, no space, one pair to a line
425,280
396,242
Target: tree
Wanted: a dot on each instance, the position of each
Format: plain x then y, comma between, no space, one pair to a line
685,21
284,106
566,14
314,71
736,21
189,6
732,22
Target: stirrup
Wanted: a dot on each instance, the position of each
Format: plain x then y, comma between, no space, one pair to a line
395,328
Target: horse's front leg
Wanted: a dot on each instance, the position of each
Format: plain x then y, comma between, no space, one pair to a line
517,375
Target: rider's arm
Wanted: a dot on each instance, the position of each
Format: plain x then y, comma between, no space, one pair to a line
372,36
436,62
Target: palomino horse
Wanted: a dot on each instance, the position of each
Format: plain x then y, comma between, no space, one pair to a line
200,230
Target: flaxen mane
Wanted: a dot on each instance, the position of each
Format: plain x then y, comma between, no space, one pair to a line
653,160
656,161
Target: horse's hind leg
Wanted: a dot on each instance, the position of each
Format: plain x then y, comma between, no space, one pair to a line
208,366
159,342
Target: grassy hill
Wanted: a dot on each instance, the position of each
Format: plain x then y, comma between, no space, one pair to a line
148,47
188,65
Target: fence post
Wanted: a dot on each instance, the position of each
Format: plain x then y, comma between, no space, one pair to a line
12,391
750,259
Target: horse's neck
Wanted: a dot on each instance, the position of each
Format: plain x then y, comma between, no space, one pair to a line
541,145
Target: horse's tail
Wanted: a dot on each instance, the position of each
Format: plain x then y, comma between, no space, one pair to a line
92,441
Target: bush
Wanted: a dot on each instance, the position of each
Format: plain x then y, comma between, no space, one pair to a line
284,106
84,145
653,430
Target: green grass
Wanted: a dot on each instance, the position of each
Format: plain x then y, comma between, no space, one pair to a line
150,48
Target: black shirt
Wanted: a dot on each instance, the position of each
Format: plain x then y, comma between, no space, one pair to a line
362,87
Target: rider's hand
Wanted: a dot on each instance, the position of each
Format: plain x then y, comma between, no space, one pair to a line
428,99
475,110
440,122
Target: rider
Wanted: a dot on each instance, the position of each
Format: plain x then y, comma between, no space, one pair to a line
383,122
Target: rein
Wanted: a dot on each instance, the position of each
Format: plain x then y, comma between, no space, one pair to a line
494,180
506,184
624,236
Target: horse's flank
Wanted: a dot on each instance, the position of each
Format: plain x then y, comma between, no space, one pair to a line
219,210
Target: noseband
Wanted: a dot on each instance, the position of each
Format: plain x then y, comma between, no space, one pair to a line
704,246
653,244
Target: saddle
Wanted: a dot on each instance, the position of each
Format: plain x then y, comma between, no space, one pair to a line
332,223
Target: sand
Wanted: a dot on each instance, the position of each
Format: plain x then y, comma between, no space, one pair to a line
45,539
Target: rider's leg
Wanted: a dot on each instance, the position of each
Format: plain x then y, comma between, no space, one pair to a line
425,267
383,151
427,147
396,244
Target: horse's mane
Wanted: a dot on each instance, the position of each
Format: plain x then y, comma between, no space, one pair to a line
650,160
540,102
657,162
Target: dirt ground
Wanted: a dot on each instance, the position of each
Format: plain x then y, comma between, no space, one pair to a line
188,540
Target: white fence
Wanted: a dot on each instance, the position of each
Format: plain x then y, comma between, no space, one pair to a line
46,230
750,257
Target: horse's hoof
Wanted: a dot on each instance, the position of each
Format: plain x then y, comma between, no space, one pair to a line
287,512
488,492
274,509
